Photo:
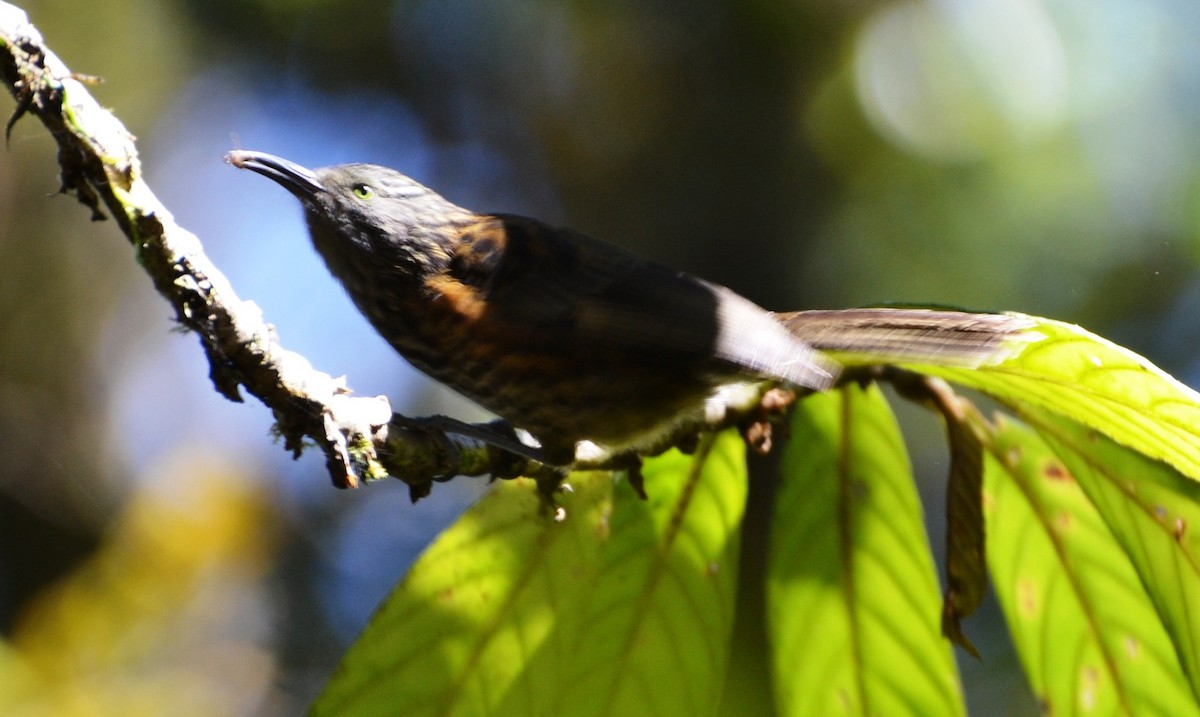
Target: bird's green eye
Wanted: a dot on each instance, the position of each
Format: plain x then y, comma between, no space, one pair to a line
363,191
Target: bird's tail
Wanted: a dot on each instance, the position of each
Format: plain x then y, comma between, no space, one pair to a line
881,335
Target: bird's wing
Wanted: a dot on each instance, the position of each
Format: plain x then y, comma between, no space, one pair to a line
558,285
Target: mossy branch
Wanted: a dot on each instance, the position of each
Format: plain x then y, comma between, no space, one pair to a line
99,165
360,436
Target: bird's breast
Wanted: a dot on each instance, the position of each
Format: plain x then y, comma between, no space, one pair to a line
542,378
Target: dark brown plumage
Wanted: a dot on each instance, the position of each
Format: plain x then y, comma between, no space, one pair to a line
562,334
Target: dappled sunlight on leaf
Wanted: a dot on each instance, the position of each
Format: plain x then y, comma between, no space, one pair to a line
624,607
853,599
1099,384
1088,635
1150,509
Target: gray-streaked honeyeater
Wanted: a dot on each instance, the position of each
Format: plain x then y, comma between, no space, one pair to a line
567,336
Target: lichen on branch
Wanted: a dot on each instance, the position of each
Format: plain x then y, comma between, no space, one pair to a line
99,165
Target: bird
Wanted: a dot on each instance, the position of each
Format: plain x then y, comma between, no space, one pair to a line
568,337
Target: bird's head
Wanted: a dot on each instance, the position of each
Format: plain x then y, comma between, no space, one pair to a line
361,206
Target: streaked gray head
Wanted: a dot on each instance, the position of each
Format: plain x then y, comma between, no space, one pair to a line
367,206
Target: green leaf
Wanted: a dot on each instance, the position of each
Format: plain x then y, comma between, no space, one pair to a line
1098,384
1150,509
852,596
1087,634
626,607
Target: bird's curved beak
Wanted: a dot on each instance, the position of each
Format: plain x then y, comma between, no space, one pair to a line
298,180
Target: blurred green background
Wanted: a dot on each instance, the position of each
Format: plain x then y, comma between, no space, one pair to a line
158,551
